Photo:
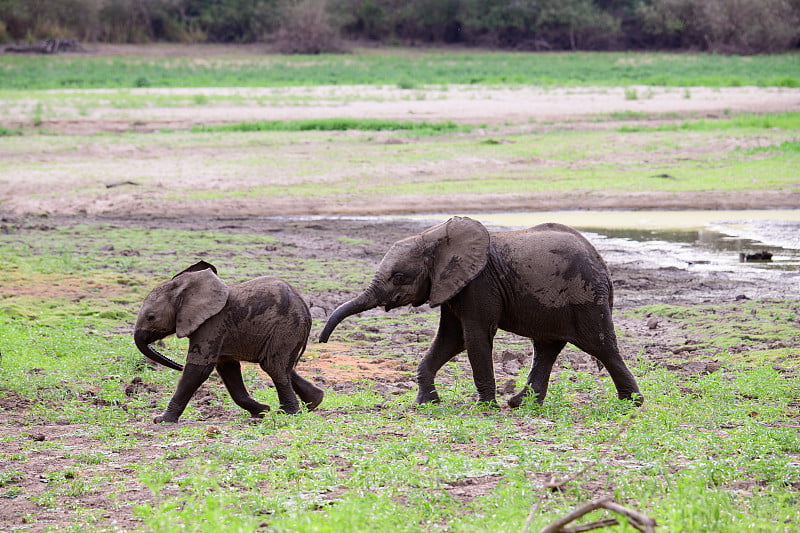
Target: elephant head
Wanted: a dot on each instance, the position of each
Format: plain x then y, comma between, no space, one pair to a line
431,267
179,306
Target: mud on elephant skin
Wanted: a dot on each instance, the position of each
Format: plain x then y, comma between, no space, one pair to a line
263,321
547,283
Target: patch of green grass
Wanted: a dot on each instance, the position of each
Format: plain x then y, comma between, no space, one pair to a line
402,68
5,132
367,461
336,124
734,329
786,121
353,242
787,146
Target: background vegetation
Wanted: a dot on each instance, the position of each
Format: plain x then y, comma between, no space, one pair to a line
406,69
312,26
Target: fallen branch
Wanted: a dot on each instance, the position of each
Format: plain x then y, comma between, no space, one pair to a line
556,526
642,522
120,183
607,522
638,520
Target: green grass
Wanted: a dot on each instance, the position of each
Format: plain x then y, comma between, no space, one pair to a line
409,69
733,153
785,121
711,452
335,124
4,132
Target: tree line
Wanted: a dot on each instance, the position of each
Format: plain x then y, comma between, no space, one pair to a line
313,26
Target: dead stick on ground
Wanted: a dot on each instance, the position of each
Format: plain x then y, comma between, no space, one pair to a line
556,526
606,522
557,484
642,522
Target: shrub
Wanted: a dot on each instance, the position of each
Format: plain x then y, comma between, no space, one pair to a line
38,19
306,28
577,25
729,26
751,26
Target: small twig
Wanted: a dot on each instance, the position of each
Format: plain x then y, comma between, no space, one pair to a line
640,521
558,484
606,522
555,484
556,526
120,183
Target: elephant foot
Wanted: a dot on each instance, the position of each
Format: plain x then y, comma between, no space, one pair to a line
428,397
259,411
636,398
313,402
165,418
492,403
516,401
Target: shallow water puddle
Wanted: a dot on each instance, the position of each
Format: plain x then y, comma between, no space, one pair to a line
710,240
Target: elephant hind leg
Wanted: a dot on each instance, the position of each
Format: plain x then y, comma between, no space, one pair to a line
280,367
607,353
310,394
544,356
231,374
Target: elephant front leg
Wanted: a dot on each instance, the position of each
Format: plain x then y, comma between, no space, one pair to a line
479,349
448,343
192,377
544,355
231,374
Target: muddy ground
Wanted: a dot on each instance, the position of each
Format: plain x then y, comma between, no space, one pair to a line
381,357
66,200
356,357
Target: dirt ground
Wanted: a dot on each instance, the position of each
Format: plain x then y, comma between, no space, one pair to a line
578,108
73,187
336,366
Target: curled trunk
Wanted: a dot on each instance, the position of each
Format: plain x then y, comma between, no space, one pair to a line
364,301
142,340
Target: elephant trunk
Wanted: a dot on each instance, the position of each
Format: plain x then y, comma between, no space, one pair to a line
142,338
366,300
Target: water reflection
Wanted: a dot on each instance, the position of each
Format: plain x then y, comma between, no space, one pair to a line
708,246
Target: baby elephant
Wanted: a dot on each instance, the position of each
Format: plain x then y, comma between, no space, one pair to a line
260,321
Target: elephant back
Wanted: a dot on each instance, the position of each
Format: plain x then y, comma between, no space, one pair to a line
268,302
555,265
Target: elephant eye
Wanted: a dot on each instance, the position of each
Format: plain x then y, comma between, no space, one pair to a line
151,317
399,278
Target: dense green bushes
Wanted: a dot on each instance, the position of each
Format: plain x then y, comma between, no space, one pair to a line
728,26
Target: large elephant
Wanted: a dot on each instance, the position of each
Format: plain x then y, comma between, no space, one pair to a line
260,321
547,283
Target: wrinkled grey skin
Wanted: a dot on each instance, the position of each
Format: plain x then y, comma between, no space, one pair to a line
261,321
547,283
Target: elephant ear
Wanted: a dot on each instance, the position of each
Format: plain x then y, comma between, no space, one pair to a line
199,296
461,250
197,267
